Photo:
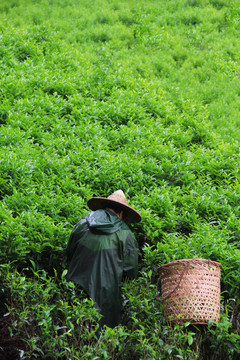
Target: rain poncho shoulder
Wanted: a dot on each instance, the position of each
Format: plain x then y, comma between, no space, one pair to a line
101,251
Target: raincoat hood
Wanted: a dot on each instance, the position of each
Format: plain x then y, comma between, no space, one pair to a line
104,222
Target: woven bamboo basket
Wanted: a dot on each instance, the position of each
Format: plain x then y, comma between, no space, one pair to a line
190,290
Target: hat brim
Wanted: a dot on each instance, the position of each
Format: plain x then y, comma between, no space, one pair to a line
130,215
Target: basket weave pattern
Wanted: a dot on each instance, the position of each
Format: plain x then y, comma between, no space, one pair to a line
191,290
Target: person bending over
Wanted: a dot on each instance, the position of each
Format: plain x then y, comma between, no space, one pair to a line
101,251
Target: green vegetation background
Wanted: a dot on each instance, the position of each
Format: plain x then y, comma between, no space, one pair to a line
142,96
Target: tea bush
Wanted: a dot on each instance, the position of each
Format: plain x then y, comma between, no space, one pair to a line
98,96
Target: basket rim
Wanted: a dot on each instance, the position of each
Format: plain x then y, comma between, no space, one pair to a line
193,260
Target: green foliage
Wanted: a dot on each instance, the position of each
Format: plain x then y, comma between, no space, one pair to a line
48,314
97,96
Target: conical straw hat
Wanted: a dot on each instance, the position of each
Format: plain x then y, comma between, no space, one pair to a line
116,199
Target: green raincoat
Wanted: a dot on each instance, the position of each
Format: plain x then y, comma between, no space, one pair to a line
101,251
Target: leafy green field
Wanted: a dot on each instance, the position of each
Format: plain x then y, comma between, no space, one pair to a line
96,96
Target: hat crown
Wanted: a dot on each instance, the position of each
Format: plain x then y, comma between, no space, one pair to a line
119,197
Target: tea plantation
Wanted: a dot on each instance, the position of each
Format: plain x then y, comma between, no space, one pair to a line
101,95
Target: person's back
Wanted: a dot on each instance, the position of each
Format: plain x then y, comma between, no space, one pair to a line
102,250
